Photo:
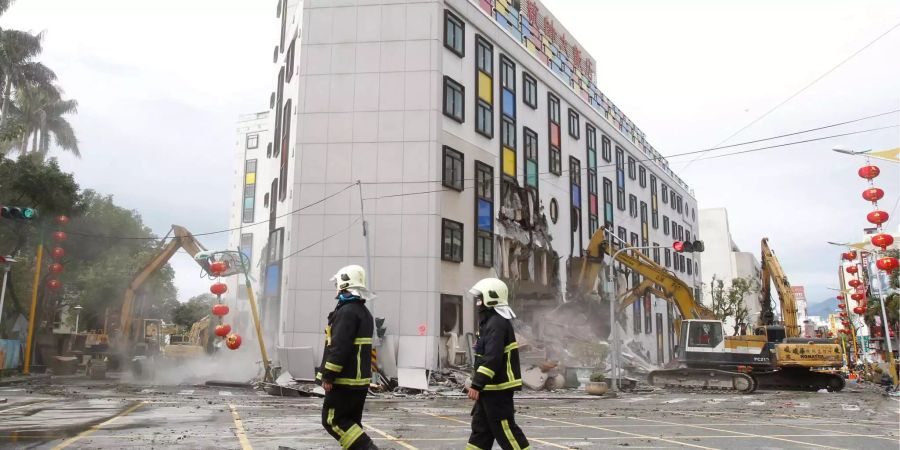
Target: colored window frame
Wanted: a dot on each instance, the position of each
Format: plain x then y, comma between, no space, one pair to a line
484,215
554,133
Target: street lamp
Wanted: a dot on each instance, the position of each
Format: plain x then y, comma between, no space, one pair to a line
6,262
77,316
841,149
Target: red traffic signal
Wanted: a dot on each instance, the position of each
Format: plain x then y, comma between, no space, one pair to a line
688,246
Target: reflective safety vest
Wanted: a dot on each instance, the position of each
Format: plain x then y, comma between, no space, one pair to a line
347,359
496,355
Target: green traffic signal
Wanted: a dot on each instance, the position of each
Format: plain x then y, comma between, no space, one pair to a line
18,212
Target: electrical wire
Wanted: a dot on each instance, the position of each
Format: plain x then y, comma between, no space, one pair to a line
497,179
804,88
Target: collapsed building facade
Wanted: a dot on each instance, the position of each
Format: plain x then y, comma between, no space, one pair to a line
481,146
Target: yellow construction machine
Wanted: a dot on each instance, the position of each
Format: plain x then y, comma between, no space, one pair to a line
140,339
707,358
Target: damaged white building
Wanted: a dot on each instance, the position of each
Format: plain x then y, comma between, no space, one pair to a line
482,147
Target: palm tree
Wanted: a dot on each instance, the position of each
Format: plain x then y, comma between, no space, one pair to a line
17,66
40,112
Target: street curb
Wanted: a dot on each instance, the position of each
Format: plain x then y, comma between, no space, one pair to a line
11,381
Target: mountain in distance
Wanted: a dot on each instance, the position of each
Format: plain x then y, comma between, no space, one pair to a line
822,308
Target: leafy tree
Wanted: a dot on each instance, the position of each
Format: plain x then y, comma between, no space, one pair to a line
728,302
196,308
18,50
40,111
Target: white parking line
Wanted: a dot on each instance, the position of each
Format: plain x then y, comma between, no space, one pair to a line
186,392
225,393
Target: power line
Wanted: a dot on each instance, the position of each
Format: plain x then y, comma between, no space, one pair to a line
804,88
497,179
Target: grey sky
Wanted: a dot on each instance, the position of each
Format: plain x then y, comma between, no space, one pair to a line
160,85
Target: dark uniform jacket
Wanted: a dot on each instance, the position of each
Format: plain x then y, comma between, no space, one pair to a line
496,355
347,359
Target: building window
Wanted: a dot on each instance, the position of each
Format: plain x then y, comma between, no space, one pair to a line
555,146
668,257
574,124
252,141
249,191
642,176
607,204
289,62
672,196
484,119
453,169
623,235
508,148
665,194
484,215
620,178
266,200
451,315
279,97
530,88
632,206
247,247
680,205
591,141
454,93
656,252
690,266
451,241
575,196
666,225
484,96
607,149
632,168
531,158
286,115
454,34
654,208
645,229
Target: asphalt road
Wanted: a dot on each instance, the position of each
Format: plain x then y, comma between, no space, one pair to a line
77,413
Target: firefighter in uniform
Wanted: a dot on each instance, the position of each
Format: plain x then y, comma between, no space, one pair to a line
346,368
497,373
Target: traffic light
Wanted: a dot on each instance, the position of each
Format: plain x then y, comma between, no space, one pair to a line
688,246
18,212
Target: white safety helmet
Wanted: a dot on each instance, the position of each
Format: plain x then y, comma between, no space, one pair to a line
491,292
351,277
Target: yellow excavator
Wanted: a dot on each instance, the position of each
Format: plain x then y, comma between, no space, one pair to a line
140,339
772,273
707,358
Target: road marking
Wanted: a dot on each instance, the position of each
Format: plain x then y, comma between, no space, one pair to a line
186,392
4,411
633,400
148,391
450,419
756,403
735,432
675,400
642,436
398,441
225,393
94,428
239,429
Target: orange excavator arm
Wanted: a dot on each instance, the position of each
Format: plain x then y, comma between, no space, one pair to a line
182,238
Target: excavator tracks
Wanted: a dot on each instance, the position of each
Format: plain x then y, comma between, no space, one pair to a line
799,379
703,380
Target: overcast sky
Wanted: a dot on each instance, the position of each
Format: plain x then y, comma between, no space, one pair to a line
160,85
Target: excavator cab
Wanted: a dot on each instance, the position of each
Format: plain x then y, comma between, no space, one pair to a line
700,336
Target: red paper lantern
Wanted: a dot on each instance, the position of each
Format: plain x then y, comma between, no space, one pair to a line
841,305
54,284
852,269
218,267
857,296
843,314
887,264
873,194
849,256
877,217
57,253
219,310
233,341
854,283
55,268
830,334
859,310
62,220
223,330
60,236
839,297
869,172
882,240
218,288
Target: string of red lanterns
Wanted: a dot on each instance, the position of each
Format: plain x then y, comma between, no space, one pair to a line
222,330
57,253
